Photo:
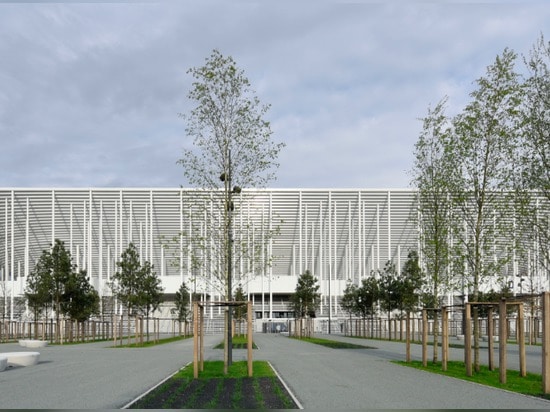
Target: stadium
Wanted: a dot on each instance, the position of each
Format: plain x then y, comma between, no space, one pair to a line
339,235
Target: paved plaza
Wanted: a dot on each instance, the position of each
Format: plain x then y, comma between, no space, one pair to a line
94,376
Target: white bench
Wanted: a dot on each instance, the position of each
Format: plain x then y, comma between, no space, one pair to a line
33,343
21,358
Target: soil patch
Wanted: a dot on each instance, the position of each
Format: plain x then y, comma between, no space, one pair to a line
218,393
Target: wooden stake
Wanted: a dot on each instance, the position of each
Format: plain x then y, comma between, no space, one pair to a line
195,340
521,333
503,334
444,338
249,338
468,339
490,338
546,342
424,337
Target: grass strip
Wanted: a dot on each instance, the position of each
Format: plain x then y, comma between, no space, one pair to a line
239,342
333,343
214,369
153,343
528,385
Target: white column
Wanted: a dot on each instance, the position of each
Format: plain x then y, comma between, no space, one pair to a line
270,255
389,225
151,224
100,264
12,279
53,216
300,244
377,236
90,244
306,239
27,271
71,229
84,224
181,236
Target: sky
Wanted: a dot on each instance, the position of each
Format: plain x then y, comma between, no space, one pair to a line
91,92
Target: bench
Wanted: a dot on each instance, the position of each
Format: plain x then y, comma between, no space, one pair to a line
33,343
20,358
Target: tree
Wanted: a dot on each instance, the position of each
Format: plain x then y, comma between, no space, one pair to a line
241,310
431,172
348,302
306,298
136,285
411,282
150,295
482,147
390,288
534,181
181,301
47,283
232,145
37,295
81,300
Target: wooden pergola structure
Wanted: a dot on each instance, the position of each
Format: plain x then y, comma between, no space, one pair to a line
198,334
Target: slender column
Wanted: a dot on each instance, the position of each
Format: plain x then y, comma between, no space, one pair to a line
12,260
53,215
27,270
377,236
90,226
389,225
151,224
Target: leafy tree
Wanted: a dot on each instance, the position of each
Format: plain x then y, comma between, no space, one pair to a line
431,172
232,148
368,295
81,300
390,288
482,145
240,311
181,301
37,294
411,282
49,279
136,285
534,180
306,298
349,299
150,295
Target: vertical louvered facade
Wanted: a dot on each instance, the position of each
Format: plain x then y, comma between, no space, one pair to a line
339,235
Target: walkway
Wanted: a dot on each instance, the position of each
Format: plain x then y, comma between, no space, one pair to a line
92,376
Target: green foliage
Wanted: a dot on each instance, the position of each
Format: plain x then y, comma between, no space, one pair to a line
56,281
368,295
431,171
81,300
228,120
306,298
181,301
136,285
240,312
215,369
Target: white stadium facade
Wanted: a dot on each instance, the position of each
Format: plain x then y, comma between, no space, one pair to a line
339,235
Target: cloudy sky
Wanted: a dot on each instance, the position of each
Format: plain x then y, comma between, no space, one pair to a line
90,92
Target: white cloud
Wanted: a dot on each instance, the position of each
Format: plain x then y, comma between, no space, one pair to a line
90,93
